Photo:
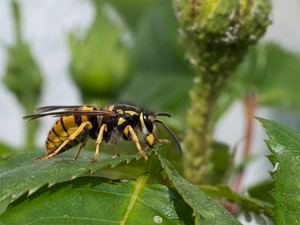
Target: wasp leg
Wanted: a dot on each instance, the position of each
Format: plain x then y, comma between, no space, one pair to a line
117,152
163,141
78,151
136,140
98,142
70,138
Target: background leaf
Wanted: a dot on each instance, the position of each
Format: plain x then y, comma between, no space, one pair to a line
6,151
247,203
284,144
164,92
272,73
156,46
94,200
204,207
222,163
262,191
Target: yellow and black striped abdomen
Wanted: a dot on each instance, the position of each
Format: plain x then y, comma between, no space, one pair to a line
61,131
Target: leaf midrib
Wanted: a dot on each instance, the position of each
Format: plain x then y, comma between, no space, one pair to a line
138,187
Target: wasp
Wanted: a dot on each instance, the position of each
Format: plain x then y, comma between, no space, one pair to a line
76,124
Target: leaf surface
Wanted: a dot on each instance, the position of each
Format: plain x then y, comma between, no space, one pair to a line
209,211
247,203
94,200
284,144
23,174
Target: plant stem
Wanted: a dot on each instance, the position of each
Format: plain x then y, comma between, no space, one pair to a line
199,134
250,107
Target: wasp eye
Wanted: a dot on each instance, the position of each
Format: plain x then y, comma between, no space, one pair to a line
148,123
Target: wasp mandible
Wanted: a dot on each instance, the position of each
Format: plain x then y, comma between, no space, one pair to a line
76,124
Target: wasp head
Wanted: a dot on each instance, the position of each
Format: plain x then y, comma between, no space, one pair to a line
148,121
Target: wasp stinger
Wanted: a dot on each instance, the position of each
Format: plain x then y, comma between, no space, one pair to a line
76,124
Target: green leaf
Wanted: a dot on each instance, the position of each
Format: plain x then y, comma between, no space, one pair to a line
132,11
284,144
268,71
261,191
6,150
94,200
204,207
23,174
272,73
156,47
248,204
222,162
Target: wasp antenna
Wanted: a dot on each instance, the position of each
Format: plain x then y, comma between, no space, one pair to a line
163,114
171,134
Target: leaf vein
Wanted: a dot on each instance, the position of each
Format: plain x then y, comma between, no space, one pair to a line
139,185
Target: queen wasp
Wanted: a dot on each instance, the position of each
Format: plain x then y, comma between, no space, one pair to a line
76,124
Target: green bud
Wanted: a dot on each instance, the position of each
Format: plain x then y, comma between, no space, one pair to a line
100,61
217,33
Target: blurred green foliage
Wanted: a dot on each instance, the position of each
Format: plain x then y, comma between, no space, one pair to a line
131,52
23,76
271,73
100,61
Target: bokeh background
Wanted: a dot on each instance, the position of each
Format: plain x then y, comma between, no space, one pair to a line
149,58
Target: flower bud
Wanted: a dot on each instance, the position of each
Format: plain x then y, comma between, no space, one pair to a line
217,33
101,61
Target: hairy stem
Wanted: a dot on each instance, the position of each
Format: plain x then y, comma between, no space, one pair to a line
199,134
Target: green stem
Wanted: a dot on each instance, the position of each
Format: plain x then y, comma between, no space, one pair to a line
17,19
198,141
31,130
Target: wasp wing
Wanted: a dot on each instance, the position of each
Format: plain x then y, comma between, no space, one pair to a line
58,107
68,111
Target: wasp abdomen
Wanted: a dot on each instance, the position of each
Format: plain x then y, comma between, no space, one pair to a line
61,131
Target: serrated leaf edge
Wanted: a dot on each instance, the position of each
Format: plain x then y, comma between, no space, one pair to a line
14,196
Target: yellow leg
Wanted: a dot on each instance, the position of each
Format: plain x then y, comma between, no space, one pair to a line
136,141
98,142
70,138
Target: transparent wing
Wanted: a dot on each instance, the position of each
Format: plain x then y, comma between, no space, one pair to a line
58,107
67,111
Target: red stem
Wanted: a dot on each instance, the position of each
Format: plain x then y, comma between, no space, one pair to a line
250,105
